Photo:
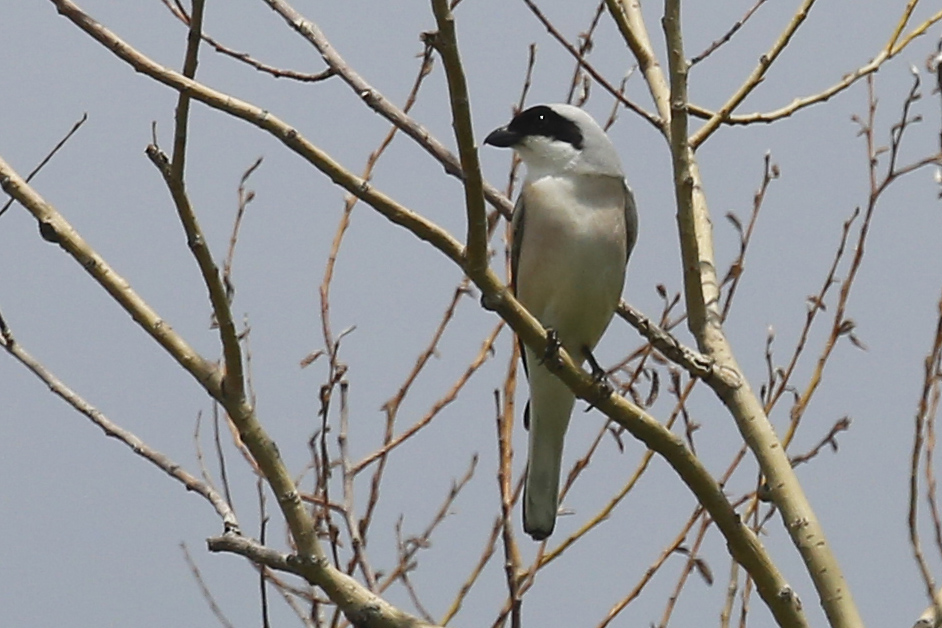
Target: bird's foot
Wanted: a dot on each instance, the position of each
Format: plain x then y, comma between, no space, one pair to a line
600,376
551,357
598,373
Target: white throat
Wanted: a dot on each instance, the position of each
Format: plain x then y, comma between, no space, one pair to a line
545,157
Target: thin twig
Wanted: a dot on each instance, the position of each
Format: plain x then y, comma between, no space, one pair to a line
926,411
220,456
354,529
770,172
846,81
179,12
505,423
489,549
731,588
262,533
138,446
601,80
693,561
173,173
756,77
728,35
245,197
375,100
48,157
445,42
816,304
829,440
204,589
410,547
350,202
841,324
586,43
447,398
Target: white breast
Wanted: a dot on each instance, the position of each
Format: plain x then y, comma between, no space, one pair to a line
571,265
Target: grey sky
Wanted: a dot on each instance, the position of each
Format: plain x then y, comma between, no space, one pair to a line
92,531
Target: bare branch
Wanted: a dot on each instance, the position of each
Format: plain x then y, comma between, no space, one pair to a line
371,611
698,365
204,589
376,101
245,57
704,320
926,412
446,42
765,62
849,79
138,446
630,22
770,172
447,398
829,440
728,35
666,553
48,157
742,542
173,173
409,547
245,197
579,56
217,442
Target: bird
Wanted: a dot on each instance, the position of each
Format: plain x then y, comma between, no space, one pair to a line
574,226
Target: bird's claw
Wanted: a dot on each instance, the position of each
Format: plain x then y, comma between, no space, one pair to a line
551,354
600,376
598,373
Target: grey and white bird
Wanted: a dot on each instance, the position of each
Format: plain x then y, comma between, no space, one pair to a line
574,226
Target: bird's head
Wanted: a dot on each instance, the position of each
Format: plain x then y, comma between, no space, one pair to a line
558,139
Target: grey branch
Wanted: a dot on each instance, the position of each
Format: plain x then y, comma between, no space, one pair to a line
364,610
694,362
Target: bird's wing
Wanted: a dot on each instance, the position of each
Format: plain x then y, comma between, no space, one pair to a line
516,228
631,220
516,243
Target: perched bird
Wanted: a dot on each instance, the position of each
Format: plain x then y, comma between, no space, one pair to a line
574,226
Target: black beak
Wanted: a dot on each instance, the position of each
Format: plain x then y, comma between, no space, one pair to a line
503,138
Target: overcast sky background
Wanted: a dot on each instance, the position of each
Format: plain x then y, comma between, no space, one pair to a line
92,532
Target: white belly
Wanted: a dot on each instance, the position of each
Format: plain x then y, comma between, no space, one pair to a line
571,267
